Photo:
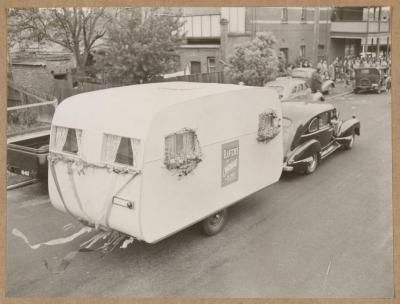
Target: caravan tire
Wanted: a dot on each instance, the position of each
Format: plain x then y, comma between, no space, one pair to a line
215,223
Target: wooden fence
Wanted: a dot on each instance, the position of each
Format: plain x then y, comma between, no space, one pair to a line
215,77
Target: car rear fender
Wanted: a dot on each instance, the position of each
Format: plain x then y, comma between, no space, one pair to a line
326,84
349,127
305,150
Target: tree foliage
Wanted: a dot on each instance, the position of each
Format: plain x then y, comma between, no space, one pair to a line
255,62
76,29
140,47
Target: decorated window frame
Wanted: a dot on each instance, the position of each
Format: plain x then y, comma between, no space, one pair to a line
66,140
120,151
182,151
268,125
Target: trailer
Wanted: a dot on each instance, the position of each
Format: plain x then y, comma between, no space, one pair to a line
149,160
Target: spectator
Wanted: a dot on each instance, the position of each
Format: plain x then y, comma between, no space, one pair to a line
331,71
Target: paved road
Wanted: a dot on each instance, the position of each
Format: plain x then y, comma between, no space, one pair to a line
324,235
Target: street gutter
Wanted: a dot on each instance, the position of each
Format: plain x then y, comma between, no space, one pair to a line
339,95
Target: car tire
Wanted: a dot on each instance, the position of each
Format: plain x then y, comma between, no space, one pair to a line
350,144
215,223
313,165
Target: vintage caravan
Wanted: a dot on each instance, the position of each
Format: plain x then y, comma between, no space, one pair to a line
149,160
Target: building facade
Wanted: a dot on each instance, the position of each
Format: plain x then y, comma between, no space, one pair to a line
301,32
356,30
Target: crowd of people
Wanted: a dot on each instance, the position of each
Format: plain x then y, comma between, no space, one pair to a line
342,69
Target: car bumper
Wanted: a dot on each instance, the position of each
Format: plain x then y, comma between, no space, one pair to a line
299,165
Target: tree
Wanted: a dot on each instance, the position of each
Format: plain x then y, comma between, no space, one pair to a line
76,29
255,62
140,47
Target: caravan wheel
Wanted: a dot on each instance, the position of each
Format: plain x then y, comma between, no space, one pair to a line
215,223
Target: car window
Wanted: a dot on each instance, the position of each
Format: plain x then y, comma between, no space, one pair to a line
294,89
323,119
313,126
278,89
286,122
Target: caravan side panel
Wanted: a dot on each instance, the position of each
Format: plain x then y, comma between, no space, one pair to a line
170,203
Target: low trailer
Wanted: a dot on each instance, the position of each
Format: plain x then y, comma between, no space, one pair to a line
149,160
27,155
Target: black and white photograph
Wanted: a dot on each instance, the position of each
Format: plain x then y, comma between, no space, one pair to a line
199,152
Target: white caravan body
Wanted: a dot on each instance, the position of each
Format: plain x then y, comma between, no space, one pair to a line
154,195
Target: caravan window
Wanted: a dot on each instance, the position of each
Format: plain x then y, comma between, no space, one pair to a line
268,126
66,140
120,150
181,148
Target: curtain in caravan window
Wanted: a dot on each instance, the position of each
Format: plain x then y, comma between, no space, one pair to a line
78,134
59,138
170,151
110,147
188,144
135,144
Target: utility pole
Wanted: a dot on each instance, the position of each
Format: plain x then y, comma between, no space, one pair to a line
366,38
316,36
378,42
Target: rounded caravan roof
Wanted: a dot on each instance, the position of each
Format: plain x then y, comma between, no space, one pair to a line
303,111
128,111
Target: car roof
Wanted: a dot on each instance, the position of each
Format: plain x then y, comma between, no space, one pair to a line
305,69
287,80
304,111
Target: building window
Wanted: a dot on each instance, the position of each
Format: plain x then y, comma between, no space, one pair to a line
285,52
201,26
211,64
236,17
120,150
66,140
302,51
195,67
284,16
304,14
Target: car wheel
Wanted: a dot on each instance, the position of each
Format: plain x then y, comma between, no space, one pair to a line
312,165
350,144
215,223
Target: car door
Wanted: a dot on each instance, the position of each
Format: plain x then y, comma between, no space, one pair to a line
326,129
320,129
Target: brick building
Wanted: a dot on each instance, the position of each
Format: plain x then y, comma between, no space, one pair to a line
312,33
360,29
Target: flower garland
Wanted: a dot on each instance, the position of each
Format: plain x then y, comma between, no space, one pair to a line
183,163
79,165
267,129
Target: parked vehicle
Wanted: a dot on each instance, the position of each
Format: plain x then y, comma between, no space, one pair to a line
29,115
312,132
314,80
289,88
27,156
149,160
371,79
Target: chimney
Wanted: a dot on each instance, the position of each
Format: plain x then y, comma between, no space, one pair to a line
224,38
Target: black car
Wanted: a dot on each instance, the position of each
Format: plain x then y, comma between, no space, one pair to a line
371,79
312,131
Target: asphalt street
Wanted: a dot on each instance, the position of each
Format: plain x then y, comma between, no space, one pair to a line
328,234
